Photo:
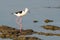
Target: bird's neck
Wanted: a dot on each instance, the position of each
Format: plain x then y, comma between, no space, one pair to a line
26,10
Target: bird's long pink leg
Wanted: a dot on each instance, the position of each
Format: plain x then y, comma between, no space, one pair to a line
19,20
20,23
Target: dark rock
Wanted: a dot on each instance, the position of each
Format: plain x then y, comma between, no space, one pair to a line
27,38
27,32
35,21
51,27
47,21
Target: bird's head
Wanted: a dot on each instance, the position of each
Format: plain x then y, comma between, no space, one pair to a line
27,10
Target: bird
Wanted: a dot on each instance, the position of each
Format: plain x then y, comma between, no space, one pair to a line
20,14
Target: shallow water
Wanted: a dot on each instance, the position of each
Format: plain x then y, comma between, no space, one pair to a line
39,11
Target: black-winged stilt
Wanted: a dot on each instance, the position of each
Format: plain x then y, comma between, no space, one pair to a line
19,14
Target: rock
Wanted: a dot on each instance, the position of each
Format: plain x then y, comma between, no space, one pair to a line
26,38
47,20
51,27
35,21
10,30
27,32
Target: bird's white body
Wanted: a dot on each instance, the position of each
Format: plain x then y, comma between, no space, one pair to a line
23,13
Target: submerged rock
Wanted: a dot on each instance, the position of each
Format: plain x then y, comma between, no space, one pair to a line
27,32
35,20
26,38
12,32
47,20
51,27
9,32
47,34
